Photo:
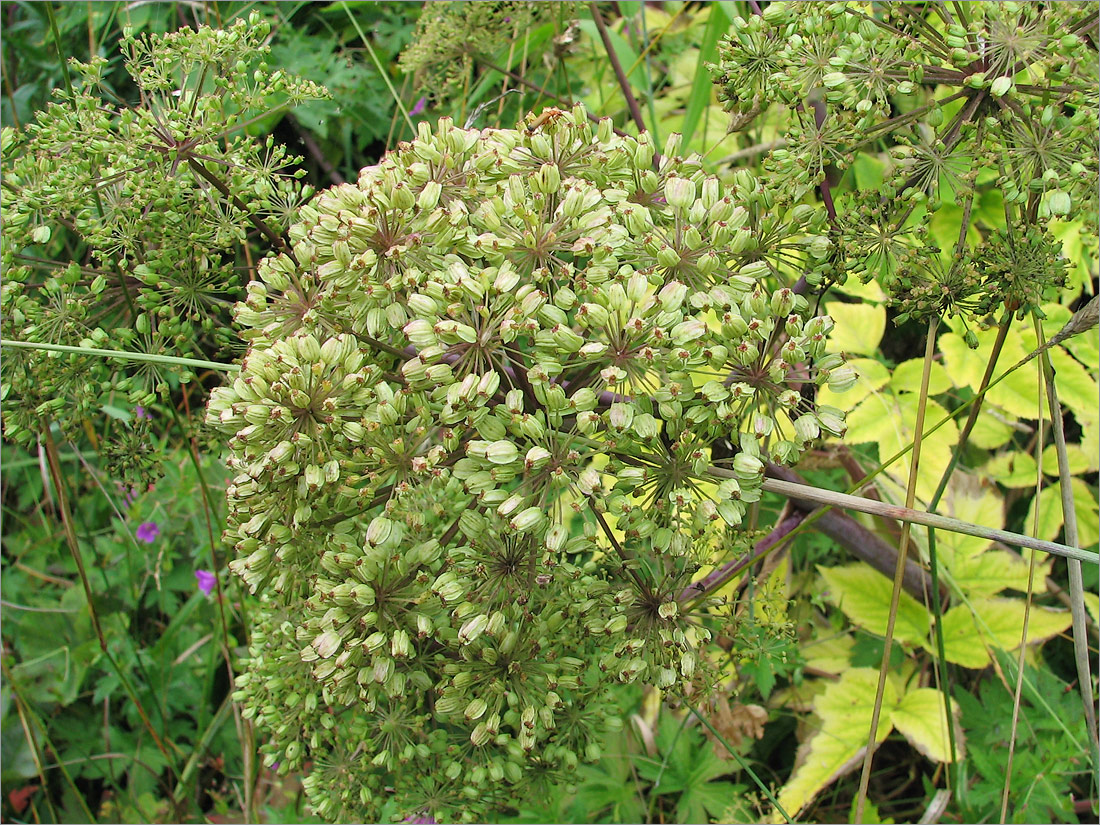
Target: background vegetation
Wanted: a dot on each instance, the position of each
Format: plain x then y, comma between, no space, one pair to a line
137,205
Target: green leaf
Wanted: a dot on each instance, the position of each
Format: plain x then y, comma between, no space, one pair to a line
864,595
969,630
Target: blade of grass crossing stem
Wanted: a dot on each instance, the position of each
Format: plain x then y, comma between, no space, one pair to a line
718,23
166,360
942,667
740,761
74,549
1027,605
378,65
899,571
1069,515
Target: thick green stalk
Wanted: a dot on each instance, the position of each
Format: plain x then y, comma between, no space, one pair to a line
899,572
1027,612
1076,584
166,360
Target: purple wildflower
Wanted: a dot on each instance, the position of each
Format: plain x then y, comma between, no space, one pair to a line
207,580
419,107
420,819
147,532
141,412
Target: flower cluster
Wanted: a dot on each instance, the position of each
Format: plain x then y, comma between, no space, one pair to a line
158,199
497,396
986,109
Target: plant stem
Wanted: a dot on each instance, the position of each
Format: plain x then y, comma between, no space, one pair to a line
381,69
1069,515
74,549
878,508
842,528
617,67
167,360
740,761
899,572
1021,661
712,581
200,169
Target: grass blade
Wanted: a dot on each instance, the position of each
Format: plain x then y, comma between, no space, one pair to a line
702,89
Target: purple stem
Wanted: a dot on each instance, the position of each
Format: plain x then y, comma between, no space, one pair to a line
723,574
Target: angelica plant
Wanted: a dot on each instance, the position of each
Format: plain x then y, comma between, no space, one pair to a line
125,227
474,442
987,108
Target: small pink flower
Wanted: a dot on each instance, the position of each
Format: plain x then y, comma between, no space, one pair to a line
147,532
419,107
140,412
207,580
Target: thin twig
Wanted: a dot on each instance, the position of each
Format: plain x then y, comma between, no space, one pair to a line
617,67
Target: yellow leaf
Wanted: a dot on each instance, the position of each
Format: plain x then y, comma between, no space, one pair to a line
1049,503
890,422
859,327
845,709
907,377
1012,469
997,622
1078,460
921,717
1017,394
991,430
864,595
871,375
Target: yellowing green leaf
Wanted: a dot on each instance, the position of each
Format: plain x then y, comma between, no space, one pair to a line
969,500
829,655
1079,461
1017,394
864,595
890,422
871,375
1049,504
1011,469
993,571
859,327
907,377
845,709
1076,388
1092,604
994,622
991,431
921,717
